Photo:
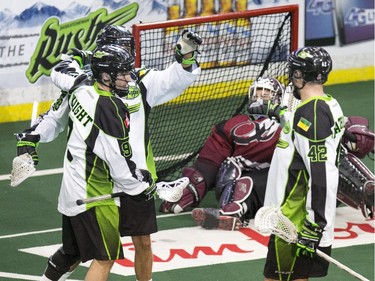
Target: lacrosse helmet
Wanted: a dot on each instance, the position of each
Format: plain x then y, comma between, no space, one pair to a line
274,89
111,59
116,35
313,63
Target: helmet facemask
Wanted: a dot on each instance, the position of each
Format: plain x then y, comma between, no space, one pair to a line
119,82
265,88
112,65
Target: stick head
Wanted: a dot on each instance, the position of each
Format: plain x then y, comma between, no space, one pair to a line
271,220
172,191
22,168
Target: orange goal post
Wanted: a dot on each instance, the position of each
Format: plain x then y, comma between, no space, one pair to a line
237,48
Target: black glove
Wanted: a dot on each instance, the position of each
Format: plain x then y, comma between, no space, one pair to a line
187,43
80,80
308,239
82,57
267,108
27,143
145,175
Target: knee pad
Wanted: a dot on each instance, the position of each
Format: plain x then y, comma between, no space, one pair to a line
59,264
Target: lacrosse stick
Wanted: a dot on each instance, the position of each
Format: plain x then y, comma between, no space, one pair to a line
22,168
271,220
169,191
23,165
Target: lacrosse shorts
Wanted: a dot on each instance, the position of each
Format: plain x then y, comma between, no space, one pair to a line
137,215
93,234
282,262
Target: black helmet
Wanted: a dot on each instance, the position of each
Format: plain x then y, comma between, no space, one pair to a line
314,63
116,35
111,59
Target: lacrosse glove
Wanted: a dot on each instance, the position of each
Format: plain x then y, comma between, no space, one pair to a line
145,175
308,239
267,108
364,138
27,143
82,57
187,43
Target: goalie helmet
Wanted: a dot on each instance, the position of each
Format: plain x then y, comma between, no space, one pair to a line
112,60
313,63
116,35
274,89
271,89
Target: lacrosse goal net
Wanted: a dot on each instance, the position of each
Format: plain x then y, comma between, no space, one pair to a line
237,48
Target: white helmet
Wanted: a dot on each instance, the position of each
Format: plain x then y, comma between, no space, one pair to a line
274,87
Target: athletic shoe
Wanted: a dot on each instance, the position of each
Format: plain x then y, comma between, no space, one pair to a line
210,218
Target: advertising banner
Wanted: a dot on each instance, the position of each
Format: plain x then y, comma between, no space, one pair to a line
355,20
34,34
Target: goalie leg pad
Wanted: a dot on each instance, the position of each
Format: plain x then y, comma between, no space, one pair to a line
356,184
227,194
192,195
210,218
228,172
368,207
59,264
241,191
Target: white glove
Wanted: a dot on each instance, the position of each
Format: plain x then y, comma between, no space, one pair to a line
188,42
65,73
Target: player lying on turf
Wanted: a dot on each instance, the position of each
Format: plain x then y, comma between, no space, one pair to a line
235,158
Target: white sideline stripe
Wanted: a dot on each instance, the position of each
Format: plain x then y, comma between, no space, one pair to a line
37,173
59,229
60,170
24,276
30,233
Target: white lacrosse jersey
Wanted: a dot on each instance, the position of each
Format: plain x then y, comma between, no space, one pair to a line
303,177
97,158
153,88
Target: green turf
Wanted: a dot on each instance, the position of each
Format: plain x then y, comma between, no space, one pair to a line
32,207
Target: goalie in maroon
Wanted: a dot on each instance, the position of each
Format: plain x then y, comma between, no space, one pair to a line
236,148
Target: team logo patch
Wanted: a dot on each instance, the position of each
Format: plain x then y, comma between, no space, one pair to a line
304,124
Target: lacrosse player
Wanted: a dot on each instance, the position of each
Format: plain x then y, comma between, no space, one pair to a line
234,161
303,177
151,88
97,162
